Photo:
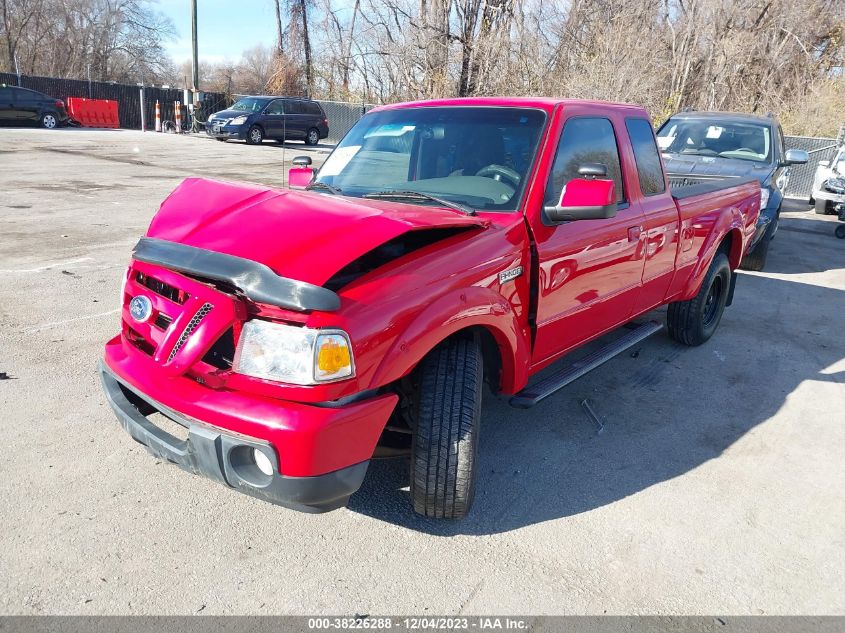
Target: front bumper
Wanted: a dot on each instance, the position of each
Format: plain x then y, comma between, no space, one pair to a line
227,131
768,218
319,454
225,457
823,194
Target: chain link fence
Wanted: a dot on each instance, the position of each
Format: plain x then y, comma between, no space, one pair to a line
127,96
801,176
342,116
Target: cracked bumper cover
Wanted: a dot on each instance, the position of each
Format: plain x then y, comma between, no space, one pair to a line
218,453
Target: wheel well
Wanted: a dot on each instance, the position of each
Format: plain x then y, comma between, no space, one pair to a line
395,439
731,247
490,352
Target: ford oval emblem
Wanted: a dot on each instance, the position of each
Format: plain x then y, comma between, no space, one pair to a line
140,308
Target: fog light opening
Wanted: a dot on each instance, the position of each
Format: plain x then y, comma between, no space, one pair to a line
262,461
252,465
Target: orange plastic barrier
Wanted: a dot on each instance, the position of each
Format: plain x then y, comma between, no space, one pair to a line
93,112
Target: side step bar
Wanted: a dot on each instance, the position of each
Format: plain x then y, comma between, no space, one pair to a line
533,394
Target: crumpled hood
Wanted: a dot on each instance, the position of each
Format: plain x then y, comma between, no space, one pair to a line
680,165
300,235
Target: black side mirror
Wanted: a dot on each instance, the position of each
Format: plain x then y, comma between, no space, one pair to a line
302,161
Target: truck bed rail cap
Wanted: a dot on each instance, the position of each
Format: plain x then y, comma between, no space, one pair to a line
257,281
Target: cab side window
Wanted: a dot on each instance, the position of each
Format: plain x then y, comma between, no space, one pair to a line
295,107
277,107
584,140
312,108
649,169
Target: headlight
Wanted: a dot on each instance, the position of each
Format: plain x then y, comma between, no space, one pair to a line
764,197
835,185
298,355
238,120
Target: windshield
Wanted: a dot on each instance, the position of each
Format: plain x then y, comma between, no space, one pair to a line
476,156
250,104
704,137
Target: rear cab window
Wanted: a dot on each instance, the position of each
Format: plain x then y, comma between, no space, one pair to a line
646,156
584,140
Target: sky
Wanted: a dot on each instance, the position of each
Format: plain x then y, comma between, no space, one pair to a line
224,28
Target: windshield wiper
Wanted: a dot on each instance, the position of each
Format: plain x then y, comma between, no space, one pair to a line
418,195
321,185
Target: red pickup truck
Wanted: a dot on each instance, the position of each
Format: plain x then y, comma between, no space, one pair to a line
278,340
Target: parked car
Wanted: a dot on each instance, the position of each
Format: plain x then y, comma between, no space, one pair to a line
699,147
22,105
253,119
829,184
291,336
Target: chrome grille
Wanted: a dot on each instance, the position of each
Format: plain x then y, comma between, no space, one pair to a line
189,329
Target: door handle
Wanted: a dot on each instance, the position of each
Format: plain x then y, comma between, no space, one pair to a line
634,233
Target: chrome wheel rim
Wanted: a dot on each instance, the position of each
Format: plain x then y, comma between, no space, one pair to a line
312,137
256,136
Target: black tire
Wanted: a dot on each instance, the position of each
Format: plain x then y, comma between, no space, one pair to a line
756,259
821,207
49,120
312,136
447,419
255,135
217,138
812,201
693,322
840,232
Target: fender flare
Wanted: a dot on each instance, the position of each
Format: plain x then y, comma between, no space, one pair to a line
728,223
477,307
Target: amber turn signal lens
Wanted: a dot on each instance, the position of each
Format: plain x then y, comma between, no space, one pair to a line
334,359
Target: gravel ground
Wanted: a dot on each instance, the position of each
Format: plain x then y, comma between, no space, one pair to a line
715,486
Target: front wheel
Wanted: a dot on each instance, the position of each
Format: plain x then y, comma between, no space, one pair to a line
49,121
445,441
313,137
821,207
756,259
694,321
255,135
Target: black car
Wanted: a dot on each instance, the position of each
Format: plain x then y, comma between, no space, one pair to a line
252,119
699,147
22,105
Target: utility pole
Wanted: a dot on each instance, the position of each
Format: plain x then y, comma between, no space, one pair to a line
195,72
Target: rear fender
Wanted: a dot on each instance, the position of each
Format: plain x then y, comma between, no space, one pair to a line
728,223
458,310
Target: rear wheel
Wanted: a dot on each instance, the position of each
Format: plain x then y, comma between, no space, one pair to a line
445,441
49,121
255,135
312,137
840,232
821,207
693,322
